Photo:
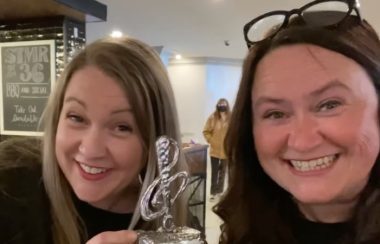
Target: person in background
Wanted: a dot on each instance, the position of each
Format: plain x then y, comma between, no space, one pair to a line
214,132
101,122
303,143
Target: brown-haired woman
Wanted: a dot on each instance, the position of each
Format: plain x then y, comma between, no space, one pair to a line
214,132
303,142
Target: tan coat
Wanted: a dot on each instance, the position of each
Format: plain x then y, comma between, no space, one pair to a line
214,132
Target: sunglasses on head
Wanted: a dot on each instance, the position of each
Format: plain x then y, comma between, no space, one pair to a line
320,13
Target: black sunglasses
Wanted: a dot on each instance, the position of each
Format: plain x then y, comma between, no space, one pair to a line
323,13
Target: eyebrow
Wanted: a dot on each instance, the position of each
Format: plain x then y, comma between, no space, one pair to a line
76,100
328,86
265,99
316,93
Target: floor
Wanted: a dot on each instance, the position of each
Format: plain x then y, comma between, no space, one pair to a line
212,221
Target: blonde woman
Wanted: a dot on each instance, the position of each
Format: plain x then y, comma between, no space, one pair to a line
214,132
101,122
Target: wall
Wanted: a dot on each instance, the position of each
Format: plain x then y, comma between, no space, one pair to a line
198,83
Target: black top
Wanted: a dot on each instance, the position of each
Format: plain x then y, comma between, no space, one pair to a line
98,220
25,214
308,232
24,207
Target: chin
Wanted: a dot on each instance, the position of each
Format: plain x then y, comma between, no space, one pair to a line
314,193
314,198
88,197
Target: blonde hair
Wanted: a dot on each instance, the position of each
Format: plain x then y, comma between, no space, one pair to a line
141,74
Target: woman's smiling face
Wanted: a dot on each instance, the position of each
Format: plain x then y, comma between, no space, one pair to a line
98,145
315,123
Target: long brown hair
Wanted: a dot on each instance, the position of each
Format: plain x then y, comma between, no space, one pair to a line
141,74
255,209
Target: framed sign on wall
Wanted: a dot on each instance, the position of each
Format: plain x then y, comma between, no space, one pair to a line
27,77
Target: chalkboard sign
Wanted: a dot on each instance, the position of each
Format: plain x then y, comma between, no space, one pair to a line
27,77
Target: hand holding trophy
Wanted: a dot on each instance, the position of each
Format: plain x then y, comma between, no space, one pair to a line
156,201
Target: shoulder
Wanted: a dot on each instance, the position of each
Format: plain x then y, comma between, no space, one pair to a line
212,117
24,209
23,202
20,164
20,167
19,152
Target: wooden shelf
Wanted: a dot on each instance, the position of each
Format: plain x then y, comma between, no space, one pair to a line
82,10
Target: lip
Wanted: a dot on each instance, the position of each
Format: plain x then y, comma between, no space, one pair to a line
92,177
317,172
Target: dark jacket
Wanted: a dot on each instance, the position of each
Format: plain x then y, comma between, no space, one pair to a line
24,207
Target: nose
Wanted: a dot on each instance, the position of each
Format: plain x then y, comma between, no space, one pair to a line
305,134
93,144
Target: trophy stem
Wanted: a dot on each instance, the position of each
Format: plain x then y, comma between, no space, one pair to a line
157,201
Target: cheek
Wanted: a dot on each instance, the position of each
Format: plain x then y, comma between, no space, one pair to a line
64,142
268,141
62,135
360,141
368,144
128,155
268,147
361,134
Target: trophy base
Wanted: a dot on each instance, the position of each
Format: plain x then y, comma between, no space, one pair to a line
181,235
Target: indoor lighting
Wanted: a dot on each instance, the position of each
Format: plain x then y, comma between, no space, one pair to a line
178,56
116,34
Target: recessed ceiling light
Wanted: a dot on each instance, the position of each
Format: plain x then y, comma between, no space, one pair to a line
116,34
178,56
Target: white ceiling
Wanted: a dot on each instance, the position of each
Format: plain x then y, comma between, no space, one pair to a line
197,28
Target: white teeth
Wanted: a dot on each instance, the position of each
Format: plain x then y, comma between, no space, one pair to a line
92,170
314,164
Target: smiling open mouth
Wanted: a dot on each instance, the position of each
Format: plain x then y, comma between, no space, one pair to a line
315,164
92,170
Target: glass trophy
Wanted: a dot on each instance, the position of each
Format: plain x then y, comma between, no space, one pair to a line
157,201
